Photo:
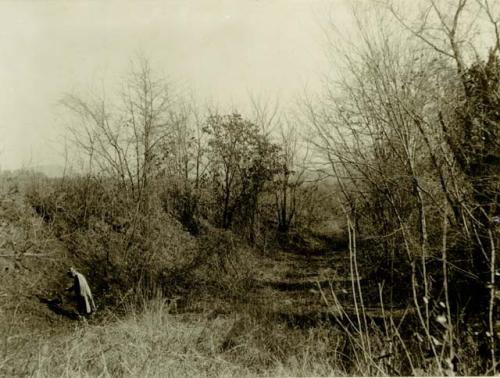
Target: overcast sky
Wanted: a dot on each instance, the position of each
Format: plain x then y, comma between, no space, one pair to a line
222,50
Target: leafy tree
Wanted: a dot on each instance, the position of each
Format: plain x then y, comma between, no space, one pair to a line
242,161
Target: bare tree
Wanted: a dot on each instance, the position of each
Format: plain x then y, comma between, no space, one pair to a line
412,125
121,136
184,163
470,126
291,176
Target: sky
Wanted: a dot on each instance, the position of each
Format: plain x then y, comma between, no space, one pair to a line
221,50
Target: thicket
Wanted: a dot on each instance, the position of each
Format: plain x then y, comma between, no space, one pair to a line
411,132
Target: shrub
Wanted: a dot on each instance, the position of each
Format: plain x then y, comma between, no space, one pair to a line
118,246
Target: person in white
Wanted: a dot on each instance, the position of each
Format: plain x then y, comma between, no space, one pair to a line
82,291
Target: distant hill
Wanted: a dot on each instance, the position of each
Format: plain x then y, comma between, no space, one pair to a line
49,170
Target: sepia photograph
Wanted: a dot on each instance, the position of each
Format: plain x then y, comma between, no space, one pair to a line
249,188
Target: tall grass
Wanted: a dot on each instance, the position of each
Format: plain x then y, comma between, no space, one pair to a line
154,342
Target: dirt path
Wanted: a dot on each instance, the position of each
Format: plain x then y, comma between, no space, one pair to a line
288,286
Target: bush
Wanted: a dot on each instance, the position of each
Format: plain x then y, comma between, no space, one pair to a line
119,247
224,262
123,250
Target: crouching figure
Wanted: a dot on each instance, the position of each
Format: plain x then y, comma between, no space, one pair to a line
81,288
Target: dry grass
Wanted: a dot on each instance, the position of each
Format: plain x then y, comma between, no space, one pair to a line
156,343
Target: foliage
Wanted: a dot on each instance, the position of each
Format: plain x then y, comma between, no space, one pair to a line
242,161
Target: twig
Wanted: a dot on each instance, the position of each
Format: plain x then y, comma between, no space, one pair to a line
492,302
445,281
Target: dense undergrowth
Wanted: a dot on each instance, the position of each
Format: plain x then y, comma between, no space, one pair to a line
197,311
124,248
136,331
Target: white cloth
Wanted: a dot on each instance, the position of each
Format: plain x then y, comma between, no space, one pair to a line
85,292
